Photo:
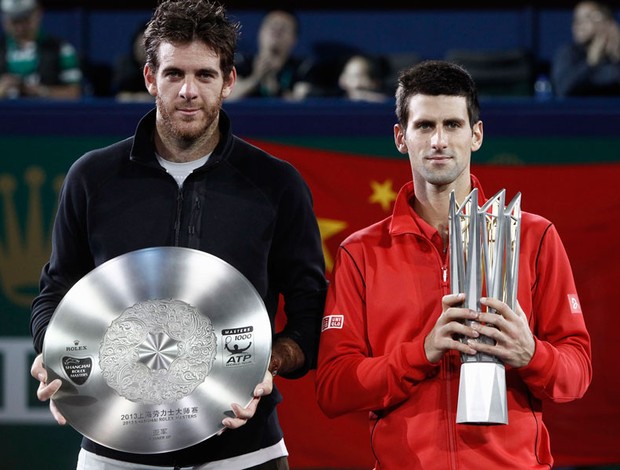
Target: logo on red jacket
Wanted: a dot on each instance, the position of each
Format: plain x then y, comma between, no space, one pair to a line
332,321
573,302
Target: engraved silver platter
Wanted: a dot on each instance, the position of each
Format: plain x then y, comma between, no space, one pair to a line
153,346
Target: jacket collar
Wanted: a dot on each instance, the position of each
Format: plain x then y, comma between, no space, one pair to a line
143,148
406,220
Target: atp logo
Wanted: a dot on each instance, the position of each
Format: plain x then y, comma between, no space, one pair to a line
238,346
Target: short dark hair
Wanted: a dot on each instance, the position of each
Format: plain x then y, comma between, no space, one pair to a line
183,21
436,77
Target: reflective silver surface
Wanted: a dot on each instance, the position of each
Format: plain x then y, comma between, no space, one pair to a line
153,346
482,394
484,255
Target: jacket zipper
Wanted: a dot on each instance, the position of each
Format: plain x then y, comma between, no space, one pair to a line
450,423
194,223
177,223
446,366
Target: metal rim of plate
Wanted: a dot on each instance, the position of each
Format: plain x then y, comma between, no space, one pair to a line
153,346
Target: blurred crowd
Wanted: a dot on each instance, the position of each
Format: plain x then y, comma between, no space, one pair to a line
34,64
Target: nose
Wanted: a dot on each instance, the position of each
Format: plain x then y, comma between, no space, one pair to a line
438,139
188,90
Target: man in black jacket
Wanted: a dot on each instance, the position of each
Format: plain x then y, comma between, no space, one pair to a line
185,180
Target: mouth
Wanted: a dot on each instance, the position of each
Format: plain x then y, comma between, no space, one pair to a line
188,111
439,158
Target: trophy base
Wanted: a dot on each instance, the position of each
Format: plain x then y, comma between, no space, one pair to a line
482,394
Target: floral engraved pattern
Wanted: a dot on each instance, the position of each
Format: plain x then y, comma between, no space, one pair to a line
157,351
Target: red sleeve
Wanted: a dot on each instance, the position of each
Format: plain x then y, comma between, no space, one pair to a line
561,368
349,377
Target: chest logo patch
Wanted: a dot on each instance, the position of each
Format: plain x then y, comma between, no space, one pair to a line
332,321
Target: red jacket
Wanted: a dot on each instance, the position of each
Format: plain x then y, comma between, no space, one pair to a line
385,297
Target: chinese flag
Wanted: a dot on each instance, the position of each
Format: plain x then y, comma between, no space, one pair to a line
352,191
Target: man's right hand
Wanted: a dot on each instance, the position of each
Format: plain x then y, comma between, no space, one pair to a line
46,391
449,326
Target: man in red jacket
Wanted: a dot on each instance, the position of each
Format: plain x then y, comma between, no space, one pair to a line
390,340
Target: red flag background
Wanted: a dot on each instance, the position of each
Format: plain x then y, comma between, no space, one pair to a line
352,191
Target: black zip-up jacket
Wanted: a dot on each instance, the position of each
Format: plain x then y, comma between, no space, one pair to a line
244,206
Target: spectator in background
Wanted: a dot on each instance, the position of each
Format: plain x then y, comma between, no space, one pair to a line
273,70
591,64
32,63
362,79
128,77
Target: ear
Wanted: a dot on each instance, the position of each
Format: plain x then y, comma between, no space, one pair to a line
150,80
229,83
399,139
476,138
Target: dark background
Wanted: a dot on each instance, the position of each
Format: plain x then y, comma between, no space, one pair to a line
323,4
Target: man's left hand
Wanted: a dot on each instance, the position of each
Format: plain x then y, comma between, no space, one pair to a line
243,414
514,341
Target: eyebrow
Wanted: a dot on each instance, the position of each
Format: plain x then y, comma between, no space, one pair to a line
444,120
173,68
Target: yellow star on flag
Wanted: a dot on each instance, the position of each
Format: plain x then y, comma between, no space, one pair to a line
329,228
383,194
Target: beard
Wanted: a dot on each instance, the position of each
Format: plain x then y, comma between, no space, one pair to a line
187,130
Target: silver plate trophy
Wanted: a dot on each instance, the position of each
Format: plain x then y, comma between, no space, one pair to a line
153,346
484,261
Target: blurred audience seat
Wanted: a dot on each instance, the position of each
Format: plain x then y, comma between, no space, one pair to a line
322,68
97,78
498,73
395,62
